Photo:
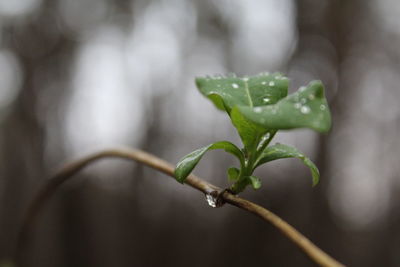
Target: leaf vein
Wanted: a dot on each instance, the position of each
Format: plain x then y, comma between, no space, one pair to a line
246,87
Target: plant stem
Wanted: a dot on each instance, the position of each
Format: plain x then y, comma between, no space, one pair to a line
51,185
248,167
266,143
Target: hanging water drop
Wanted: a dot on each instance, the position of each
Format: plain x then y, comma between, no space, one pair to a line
211,200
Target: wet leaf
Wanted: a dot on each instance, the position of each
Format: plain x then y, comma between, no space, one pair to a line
228,92
260,90
305,108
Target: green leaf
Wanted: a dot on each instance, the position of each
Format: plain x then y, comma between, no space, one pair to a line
233,173
305,108
249,132
242,183
280,151
255,182
228,92
188,162
260,90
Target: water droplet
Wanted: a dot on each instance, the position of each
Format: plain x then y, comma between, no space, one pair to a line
302,88
265,137
322,107
303,100
311,97
297,105
271,83
264,83
266,99
235,85
245,79
211,200
257,109
305,109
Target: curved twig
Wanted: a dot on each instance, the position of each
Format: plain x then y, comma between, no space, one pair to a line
312,251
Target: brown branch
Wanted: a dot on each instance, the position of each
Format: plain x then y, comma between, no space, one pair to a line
314,253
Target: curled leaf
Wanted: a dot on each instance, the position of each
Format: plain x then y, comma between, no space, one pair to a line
280,151
189,162
254,181
233,173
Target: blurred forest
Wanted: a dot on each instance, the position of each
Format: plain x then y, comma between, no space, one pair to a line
79,76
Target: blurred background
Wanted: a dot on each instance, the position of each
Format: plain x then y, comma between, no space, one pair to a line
79,76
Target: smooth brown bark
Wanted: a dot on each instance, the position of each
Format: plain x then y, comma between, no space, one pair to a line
311,250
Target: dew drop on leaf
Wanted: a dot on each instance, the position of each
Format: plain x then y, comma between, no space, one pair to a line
235,85
264,83
266,99
305,109
257,109
265,137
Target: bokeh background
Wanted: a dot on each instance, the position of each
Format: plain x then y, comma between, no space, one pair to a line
79,76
